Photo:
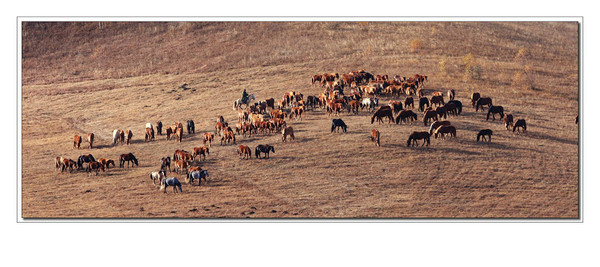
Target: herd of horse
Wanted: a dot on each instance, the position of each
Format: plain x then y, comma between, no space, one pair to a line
351,93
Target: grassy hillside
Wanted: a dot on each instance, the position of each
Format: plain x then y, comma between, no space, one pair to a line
95,77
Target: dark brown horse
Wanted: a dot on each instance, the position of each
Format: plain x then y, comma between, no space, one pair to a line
409,101
483,101
441,112
265,149
423,101
159,127
418,136
495,110
383,113
483,133
405,116
437,124
438,100
430,114
129,135
474,98
129,158
520,123
445,129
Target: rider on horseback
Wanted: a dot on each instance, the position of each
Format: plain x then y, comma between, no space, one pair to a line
244,97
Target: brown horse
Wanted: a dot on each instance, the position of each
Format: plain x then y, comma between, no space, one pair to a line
245,152
409,101
395,105
383,113
228,137
437,124
405,116
208,137
129,135
353,106
418,136
288,131
520,123
94,166
429,114
441,111
68,163
445,129
129,158
219,127
180,166
451,109
483,133
494,110
438,100
169,132
200,151
90,139
375,137
483,101
77,141
508,121
149,136
474,98
179,133
106,162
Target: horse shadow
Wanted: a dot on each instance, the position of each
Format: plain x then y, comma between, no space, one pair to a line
102,146
538,135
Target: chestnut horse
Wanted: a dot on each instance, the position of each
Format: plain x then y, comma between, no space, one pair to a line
375,137
94,166
208,137
106,162
245,152
200,151
418,136
483,133
76,141
90,139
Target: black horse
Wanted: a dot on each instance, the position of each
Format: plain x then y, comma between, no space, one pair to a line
165,163
129,158
493,110
159,127
336,123
422,102
520,123
84,158
483,133
263,149
458,105
191,128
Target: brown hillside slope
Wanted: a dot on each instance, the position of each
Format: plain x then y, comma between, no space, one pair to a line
87,77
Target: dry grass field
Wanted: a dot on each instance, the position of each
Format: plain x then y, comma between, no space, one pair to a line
97,77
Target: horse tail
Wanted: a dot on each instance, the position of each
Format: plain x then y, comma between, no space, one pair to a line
373,118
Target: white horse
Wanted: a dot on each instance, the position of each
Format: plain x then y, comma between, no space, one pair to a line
115,136
238,103
371,103
160,175
197,175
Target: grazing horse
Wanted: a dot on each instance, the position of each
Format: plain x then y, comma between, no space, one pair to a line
395,105
76,141
493,110
159,127
201,174
169,132
208,137
422,102
180,166
405,116
409,101
129,158
438,100
200,151
263,149
170,182
228,137
149,136
219,127
116,136
337,123
68,163
474,98
183,155
353,106
58,162
191,128
375,137
483,101
450,109
445,129
159,175
451,94
437,124
129,135
418,136
94,166
244,151
83,159
442,112
287,131
429,114
508,121
483,133
165,163
457,105
90,139
106,162
383,113
520,123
